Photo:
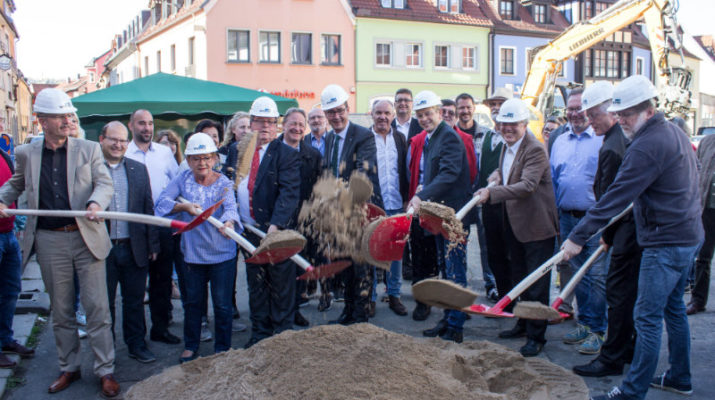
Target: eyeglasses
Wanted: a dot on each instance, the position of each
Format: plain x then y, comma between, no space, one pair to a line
336,111
265,121
60,116
445,112
626,114
403,100
574,109
116,141
199,160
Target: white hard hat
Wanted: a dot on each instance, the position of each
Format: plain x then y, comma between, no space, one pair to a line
426,99
53,101
501,93
333,95
200,143
632,91
596,94
513,110
264,106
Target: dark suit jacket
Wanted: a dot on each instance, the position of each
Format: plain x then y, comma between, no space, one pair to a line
277,187
446,172
358,154
229,167
529,194
144,238
310,169
327,136
415,127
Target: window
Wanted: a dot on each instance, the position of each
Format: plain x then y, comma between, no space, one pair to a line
330,50
191,51
506,61
383,57
146,65
600,7
450,6
393,3
612,64
506,9
413,55
301,49
91,76
441,56
587,9
269,44
599,63
639,66
469,58
539,12
158,61
238,46
625,64
587,66
172,55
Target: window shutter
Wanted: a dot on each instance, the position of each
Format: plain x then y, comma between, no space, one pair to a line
398,49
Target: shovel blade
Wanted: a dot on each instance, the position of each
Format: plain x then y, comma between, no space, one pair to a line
200,218
325,270
481,309
388,239
374,212
433,224
274,256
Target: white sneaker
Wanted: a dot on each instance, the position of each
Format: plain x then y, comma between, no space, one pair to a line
237,327
81,318
206,335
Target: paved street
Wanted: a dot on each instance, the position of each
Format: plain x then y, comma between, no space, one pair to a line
38,373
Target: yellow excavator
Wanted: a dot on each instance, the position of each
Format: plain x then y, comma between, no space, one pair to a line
661,23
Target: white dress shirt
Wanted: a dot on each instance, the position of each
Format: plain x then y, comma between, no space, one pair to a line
387,170
509,155
404,129
159,162
244,210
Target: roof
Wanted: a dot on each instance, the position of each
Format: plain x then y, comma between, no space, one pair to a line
706,42
422,10
525,22
170,94
167,22
38,87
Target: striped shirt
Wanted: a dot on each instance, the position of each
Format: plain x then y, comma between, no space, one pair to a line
120,199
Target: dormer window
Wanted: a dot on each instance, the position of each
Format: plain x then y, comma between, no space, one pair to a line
393,3
539,12
506,9
450,6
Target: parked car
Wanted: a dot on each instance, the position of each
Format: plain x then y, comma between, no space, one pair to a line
702,132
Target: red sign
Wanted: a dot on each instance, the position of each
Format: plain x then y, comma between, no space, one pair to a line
294,94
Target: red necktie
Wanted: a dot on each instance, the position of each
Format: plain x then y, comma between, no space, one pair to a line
255,163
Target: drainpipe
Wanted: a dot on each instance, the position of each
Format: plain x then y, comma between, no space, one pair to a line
489,63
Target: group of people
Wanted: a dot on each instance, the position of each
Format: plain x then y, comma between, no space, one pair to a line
615,149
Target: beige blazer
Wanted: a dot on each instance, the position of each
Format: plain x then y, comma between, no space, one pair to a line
87,180
529,194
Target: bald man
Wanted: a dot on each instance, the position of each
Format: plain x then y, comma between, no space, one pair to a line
133,245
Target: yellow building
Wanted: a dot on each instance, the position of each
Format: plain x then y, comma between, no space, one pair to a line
15,98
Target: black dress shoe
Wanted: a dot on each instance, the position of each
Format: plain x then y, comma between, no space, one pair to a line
300,320
250,343
142,354
597,368
437,330
531,348
165,337
516,332
344,319
421,312
451,334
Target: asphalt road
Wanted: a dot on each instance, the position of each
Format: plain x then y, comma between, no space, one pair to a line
38,373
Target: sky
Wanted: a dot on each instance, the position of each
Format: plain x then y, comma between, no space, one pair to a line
59,37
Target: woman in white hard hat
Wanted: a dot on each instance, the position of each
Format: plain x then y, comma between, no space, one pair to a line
209,256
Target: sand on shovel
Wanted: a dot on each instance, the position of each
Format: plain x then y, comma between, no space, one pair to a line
443,294
451,225
363,361
535,310
281,239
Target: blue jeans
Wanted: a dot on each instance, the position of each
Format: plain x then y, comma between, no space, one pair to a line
197,276
10,284
591,291
487,275
394,275
661,283
453,264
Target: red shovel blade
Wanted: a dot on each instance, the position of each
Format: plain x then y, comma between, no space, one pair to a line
374,212
274,256
433,224
325,270
387,241
200,218
481,309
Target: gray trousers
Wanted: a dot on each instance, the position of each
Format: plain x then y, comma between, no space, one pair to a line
60,254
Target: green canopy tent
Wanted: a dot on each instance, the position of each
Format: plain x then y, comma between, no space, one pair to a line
175,101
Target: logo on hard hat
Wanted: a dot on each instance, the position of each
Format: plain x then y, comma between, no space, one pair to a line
508,115
332,100
200,147
423,101
616,101
264,110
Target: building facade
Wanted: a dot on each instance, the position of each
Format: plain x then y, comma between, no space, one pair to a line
15,98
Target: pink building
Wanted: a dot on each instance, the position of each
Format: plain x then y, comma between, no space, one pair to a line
276,46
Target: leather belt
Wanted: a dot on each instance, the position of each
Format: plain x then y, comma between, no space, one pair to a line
66,228
575,213
117,242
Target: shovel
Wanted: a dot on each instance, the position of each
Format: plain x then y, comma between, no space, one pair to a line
498,309
385,238
266,257
124,216
443,294
435,224
311,272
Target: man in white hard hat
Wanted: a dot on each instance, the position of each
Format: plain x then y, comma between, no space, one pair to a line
64,173
439,173
574,161
268,198
351,149
622,278
659,176
162,168
523,184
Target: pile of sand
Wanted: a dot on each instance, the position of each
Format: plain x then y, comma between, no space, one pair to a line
363,362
